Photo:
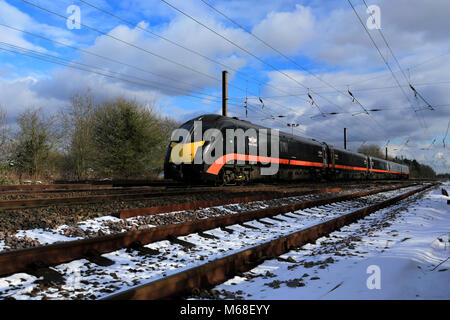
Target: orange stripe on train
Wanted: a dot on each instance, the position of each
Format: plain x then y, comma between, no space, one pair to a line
220,162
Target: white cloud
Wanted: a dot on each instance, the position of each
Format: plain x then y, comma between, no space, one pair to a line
286,31
12,16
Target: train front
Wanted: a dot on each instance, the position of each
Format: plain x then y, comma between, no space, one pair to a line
184,161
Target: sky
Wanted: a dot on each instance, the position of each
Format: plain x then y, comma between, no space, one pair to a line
302,59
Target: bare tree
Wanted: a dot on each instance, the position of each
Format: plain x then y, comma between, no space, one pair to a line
371,150
5,145
4,133
76,121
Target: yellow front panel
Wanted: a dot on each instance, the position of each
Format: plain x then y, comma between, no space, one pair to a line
184,152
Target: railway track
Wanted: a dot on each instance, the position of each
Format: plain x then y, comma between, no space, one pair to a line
151,253
41,187
294,231
262,193
12,197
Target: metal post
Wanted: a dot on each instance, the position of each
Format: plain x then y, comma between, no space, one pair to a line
224,93
345,138
386,154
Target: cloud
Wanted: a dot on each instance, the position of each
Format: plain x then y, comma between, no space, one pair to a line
12,16
286,31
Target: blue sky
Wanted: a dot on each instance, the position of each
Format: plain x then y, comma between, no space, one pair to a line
324,38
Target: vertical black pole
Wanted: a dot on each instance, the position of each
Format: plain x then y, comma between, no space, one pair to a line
345,138
224,93
386,153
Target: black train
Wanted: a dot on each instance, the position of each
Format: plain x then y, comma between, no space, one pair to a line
299,158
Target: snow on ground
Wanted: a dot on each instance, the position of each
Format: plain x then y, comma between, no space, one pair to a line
88,281
408,244
85,280
50,236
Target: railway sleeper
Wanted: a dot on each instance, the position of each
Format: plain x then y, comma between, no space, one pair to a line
207,235
248,226
228,230
265,223
96,258
142,250
277,219
186,244
49,275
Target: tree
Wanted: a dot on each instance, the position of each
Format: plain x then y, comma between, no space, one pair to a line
371,150
168,125
127,136
34,140
78,131
5,146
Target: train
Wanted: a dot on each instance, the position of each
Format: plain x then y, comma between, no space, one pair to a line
297,158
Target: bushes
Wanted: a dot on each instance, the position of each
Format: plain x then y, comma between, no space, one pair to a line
115,139
128,139
33,142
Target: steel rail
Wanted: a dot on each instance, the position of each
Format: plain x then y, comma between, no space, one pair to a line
35,203
54,254
42,202
128,213
51,187
217,271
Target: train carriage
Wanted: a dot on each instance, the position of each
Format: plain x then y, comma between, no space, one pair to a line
239,158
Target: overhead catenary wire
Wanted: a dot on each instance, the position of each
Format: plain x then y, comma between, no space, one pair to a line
157,84
140,48
83,67
97,55
284,56
416,93
145,50
444,82
50,59
384,60
256,57
446,133
237,72
46,10
127,43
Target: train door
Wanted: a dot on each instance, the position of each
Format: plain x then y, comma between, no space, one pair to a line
366,162
370,166
332,158
324,155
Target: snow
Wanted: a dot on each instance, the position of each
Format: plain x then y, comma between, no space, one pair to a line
44,236
88,281
408,253
50,236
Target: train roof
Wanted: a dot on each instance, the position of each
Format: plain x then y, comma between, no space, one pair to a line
248,124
